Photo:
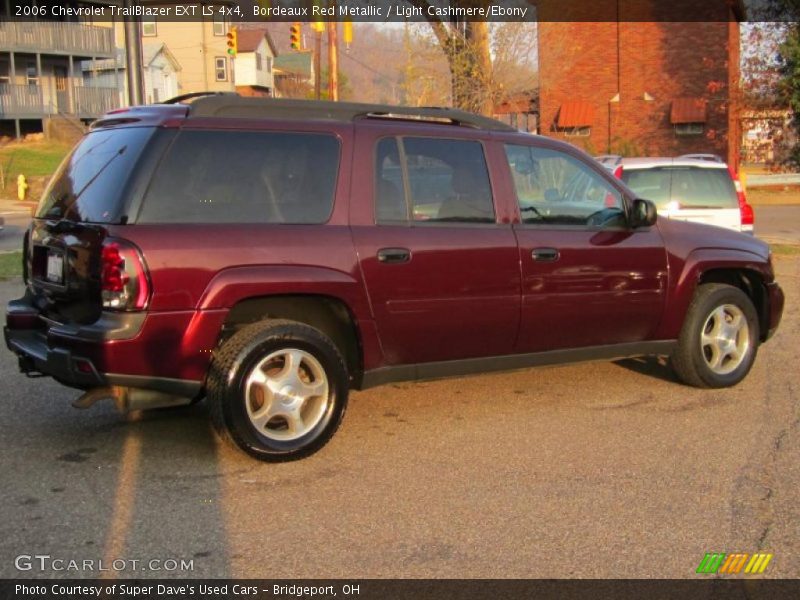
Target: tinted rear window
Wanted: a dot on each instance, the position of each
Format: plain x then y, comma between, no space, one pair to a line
691,187
89,184
244,177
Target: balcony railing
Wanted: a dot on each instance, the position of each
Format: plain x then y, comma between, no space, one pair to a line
56,38
21,101
28,101
94,101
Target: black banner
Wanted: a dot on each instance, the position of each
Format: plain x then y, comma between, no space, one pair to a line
414,589
398,11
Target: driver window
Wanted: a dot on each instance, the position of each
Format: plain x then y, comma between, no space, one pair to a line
553,188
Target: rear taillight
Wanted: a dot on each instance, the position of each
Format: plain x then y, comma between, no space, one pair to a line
618,172
746,214
123,278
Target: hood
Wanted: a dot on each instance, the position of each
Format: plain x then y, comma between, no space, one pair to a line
699,235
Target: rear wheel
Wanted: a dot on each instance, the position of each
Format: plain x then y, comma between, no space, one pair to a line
719,339
278,390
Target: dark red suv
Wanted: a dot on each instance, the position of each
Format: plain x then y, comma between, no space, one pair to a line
271,255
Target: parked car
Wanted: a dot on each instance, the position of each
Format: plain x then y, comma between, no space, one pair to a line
612,162
274,254
2,224
698,187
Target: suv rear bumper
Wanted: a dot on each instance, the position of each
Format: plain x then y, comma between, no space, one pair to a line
64,366
35,356
139,350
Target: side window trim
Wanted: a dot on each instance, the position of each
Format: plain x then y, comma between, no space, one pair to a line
407,192
377,175
401,152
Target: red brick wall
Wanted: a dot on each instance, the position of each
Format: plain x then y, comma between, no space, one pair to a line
596,61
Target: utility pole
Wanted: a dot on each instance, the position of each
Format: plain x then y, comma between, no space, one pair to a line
318,63
333,63
133,58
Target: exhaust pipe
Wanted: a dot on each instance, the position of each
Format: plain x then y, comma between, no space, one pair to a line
128,399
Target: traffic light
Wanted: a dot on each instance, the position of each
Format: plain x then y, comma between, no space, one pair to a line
294,36
233,42
347,29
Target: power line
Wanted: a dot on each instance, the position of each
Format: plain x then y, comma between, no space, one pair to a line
368,68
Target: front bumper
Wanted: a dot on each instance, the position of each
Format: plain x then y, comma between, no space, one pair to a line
776,301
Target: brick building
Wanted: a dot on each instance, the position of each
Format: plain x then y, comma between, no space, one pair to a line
642,84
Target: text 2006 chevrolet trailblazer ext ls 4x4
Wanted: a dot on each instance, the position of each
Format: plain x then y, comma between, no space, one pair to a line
273,254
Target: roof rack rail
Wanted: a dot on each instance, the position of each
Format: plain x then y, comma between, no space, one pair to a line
182,97
233,105
703,156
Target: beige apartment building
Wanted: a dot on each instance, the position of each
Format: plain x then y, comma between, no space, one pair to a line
199,47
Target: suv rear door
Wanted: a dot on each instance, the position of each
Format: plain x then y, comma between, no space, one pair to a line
438,256
88,194
588,279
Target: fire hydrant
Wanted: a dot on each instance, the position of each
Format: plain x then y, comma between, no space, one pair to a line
22,187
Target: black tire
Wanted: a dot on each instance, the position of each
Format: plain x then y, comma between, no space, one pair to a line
691,358
241,355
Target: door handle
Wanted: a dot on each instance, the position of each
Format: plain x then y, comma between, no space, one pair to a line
394,255
545,254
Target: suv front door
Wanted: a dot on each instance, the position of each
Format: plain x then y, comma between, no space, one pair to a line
588,279
440,266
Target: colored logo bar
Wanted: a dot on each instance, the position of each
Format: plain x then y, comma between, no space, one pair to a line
732,564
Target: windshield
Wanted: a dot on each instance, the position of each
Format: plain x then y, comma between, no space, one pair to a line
88,186
690,187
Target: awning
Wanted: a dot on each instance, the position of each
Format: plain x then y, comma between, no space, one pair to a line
575,114
688,110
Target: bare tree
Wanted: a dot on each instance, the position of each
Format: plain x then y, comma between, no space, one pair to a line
428,73
426,76
466,46
514,61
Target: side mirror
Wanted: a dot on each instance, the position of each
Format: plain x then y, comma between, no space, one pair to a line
644,213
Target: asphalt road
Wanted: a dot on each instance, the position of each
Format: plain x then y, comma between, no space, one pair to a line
591,470
16,222
778,223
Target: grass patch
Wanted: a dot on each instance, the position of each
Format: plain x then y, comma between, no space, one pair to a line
10,265
773,196
32,159
785,249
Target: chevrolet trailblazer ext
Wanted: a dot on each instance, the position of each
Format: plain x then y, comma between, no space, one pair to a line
273,254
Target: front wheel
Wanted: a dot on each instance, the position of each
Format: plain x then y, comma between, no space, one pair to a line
719,339
278,390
